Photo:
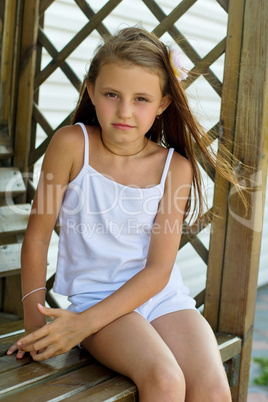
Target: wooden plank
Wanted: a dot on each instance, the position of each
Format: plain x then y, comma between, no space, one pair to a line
10,362
244,229
71,384
25,87
116,389
229,345
19,4
10,259
243,240
11,182
220,202
75,42
6,150
14,219
5,343
31,374
8,43
10,328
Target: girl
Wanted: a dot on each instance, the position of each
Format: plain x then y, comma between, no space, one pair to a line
122,194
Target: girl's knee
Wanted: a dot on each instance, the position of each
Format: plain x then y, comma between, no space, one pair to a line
220,392
217,390
167,381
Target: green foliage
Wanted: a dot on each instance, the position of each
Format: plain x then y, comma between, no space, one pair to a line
263,377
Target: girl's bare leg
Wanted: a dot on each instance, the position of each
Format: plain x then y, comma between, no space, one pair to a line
132,347
194,346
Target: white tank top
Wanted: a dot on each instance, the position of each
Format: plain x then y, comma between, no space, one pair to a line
105,230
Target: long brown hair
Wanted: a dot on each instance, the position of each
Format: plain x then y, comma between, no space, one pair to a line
177,126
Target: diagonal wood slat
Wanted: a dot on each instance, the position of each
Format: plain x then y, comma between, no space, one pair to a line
201,250
40,118
66,69
200,298
75,42
184,45
202,66
89,13
44,4
173,17
189,233
224,4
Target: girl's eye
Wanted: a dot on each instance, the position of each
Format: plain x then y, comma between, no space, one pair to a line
110,95
141,99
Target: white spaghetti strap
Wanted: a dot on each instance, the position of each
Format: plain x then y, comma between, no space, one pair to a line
165,171
86,161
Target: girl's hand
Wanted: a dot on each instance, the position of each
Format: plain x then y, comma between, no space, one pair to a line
55,338
15,347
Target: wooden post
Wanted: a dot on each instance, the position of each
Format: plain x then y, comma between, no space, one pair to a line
221,189
26,83
243,235
7,58
241,246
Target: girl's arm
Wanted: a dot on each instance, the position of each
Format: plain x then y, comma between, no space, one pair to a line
68,329
54,178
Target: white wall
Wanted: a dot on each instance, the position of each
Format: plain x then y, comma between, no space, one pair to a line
204,26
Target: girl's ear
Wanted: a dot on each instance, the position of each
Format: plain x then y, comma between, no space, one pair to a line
165,102
90,91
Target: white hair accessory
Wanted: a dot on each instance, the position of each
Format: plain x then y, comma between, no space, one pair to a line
175,62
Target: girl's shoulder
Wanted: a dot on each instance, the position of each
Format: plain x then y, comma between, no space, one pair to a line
181,168
70,139
68,136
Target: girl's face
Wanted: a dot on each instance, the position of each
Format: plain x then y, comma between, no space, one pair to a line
127,101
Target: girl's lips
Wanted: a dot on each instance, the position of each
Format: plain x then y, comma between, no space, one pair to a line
121,126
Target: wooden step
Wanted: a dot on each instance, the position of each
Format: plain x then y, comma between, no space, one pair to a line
6,150
14,219
10,259
11,182
229,345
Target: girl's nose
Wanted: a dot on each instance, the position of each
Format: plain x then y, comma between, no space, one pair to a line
124,110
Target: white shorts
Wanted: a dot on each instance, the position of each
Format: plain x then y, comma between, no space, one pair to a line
174,297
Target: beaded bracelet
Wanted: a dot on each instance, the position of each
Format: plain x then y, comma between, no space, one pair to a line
35,290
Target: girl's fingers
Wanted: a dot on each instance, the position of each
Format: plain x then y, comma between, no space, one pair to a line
12,349
46,354
37,346
20,354
33,336
15,348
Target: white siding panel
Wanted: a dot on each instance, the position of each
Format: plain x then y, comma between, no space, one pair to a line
204,26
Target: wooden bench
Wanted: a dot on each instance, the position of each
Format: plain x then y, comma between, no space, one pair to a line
74,376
